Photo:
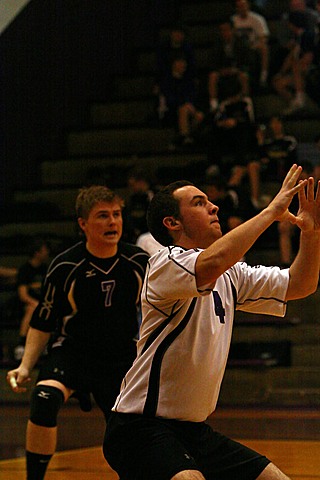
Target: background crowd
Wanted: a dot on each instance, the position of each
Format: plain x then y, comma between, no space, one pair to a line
213,111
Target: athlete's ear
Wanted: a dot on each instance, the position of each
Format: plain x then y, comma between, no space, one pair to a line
171,223
82,223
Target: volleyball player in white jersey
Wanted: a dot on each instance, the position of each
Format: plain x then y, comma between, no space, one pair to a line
157,430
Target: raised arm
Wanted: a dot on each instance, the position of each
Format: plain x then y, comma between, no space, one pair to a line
304,271
229,249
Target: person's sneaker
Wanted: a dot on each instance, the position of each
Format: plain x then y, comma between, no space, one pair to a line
18,352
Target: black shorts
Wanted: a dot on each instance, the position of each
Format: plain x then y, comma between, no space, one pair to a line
140,448
86,372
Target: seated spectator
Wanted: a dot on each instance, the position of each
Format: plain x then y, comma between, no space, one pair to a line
290,81
308,7
29,281
140,195
231,65
178,101
232,142
283,35
253,26
277,151
173,46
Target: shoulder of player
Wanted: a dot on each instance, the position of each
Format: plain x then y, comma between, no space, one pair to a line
132,253
68,259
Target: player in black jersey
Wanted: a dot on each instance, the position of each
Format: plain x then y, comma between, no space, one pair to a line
88,309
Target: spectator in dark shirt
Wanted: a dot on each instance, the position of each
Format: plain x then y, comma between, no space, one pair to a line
29,281
276,152
232,143
290,81
171,47
231,65
140,195
178,101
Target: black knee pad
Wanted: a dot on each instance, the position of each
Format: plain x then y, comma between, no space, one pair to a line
45,405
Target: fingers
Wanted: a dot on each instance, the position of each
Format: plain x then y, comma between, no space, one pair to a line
310,189
12,379
299,187
293,175
13,382
318,192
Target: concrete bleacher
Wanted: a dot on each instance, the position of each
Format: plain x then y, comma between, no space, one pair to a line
118,137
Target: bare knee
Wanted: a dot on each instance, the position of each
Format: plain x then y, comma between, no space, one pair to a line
189,475
271,472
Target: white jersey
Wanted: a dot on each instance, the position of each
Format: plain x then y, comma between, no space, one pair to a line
186,333
253,26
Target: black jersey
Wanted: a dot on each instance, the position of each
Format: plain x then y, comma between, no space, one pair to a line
241,110
280,153
93,300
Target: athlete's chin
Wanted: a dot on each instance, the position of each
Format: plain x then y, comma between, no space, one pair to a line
217,230
111,239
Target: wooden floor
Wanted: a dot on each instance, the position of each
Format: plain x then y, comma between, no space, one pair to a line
300,460
290,438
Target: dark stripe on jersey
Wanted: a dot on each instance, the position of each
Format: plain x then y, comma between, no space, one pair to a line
234,292
158,330
150,406
179,265
263,298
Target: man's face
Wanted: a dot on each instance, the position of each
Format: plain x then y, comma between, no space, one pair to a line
276,126
297,5
199,220
226,31
242,7
103,227
43,254
177,37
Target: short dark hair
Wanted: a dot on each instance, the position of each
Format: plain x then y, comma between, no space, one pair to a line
164,204
36,245
88,197
298,19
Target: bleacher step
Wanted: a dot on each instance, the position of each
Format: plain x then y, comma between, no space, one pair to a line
119,141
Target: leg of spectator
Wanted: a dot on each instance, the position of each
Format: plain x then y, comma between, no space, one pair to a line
281,83
245,83
254,181
238,172
213,90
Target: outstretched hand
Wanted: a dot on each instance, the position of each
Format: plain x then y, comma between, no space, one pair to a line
289,188
308,216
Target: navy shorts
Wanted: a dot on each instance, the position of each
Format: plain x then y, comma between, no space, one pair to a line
86,372
141,448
